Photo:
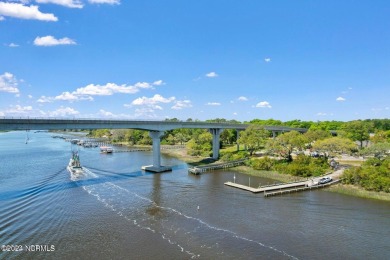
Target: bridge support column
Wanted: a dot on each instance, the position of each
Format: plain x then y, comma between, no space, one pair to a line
215,132
273,134
156,167
238,136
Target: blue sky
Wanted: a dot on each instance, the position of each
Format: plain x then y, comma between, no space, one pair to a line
307,60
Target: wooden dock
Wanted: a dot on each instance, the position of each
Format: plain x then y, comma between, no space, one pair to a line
281,192
268,187
283,188
211,167
132,150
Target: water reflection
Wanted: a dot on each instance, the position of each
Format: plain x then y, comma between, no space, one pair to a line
154,209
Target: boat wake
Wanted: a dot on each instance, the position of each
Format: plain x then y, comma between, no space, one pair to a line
189,234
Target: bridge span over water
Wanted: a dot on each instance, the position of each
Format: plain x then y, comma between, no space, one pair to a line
156,130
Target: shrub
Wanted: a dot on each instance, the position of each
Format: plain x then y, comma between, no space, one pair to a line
264,163
374,174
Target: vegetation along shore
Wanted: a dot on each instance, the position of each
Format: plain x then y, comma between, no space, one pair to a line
361,145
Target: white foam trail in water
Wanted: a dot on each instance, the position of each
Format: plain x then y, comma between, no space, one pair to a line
117,191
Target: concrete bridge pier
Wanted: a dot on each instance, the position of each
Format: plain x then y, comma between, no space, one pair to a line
238,136
216,134
156,167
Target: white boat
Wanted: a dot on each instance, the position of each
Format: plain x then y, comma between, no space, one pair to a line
106,149
74,166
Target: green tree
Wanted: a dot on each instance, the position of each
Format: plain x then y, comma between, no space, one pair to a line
200,144
379,150
229,136
268,122
181,137
334,145
374,174
358,131
285,144
327,125
118,135
314,135
254,137
380,137
146,139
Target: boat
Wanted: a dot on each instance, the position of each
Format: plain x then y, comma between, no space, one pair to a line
74,166
106,149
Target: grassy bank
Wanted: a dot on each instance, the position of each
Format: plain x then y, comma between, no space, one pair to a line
182,155
359,192
267,174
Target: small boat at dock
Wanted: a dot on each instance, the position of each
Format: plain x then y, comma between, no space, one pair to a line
106,149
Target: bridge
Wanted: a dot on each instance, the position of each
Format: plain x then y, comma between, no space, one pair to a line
156,130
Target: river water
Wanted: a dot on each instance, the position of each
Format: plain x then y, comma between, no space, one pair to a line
117,211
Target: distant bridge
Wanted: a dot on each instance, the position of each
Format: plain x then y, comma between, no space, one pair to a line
156,130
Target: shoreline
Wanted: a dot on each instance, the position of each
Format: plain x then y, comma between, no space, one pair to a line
338,188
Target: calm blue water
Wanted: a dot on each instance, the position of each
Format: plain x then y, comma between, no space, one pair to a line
116,211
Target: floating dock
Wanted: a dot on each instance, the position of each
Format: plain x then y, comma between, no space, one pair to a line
267,188
281,192
210,167
283,188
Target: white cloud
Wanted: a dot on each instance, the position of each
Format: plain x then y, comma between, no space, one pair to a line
13,45
105,90
146,84
111,88
321,114
340,99
151,102
182,104
235,113
264,104
267,60
51,41
72,97
17,109
29,96
158,83
212,75
25,108
63,112
242,98
8,83
66,3
111,2
21,11
145,112
44,99
106,113
213,104
86,93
